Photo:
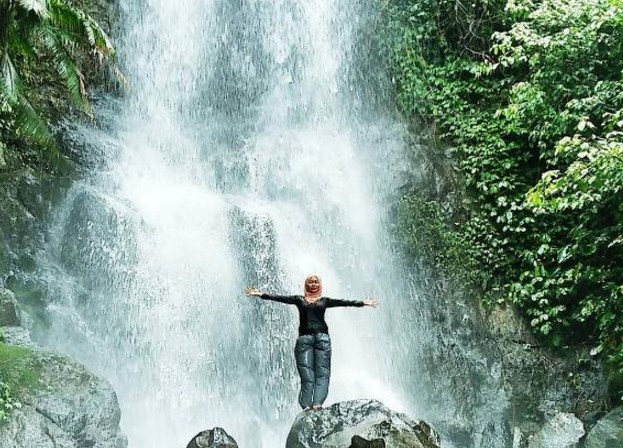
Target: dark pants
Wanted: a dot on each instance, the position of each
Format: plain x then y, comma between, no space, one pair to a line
313,360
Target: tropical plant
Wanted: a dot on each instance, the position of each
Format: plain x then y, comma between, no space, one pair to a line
51,34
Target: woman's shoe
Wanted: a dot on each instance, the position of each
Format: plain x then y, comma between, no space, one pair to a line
316,407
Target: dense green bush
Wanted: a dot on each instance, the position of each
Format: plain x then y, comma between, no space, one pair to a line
529,97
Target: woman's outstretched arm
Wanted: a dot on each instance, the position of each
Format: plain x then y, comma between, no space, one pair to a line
289,300
332,303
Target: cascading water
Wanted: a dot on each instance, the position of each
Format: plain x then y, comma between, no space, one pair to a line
252,150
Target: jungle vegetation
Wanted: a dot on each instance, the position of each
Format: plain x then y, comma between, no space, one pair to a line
528,98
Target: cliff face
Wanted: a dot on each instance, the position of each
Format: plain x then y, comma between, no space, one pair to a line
33,180
26,196
535,382
542,384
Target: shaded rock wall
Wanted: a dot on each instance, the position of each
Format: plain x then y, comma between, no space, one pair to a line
26,199
542,384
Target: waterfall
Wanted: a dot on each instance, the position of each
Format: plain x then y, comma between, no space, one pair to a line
254,147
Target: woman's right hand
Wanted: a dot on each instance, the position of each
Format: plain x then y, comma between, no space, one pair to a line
253,292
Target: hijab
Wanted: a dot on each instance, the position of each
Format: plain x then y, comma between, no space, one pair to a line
309,295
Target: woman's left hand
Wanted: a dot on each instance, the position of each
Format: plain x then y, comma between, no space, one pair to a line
371,302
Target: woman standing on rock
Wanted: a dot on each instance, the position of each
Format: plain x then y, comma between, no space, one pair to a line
313,346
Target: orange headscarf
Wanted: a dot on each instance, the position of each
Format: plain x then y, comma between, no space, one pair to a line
308,293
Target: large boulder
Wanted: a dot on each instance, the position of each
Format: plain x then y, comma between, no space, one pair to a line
212,438
607,432
63,405
563,431
359,424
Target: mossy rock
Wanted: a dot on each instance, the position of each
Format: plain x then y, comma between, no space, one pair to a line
62,403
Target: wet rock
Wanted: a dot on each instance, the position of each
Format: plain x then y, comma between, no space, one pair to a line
8,308
503,321
540,384
88,242
32,194
18,336
359,424
607,432
563,431
212,438
26,198
30,295
63,405
360,442
4,255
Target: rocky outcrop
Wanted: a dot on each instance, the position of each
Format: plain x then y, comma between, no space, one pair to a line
63,406
542,386
359,424
26,198
212,438
563,431
607,432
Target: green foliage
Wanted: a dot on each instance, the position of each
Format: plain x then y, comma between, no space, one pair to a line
424,231
18,372
532,108
7,402
37,38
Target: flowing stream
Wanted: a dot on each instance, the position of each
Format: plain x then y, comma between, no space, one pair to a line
254,147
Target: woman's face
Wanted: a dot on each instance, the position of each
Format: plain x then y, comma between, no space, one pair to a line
313,284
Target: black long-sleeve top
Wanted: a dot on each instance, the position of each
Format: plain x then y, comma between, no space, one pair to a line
311,315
